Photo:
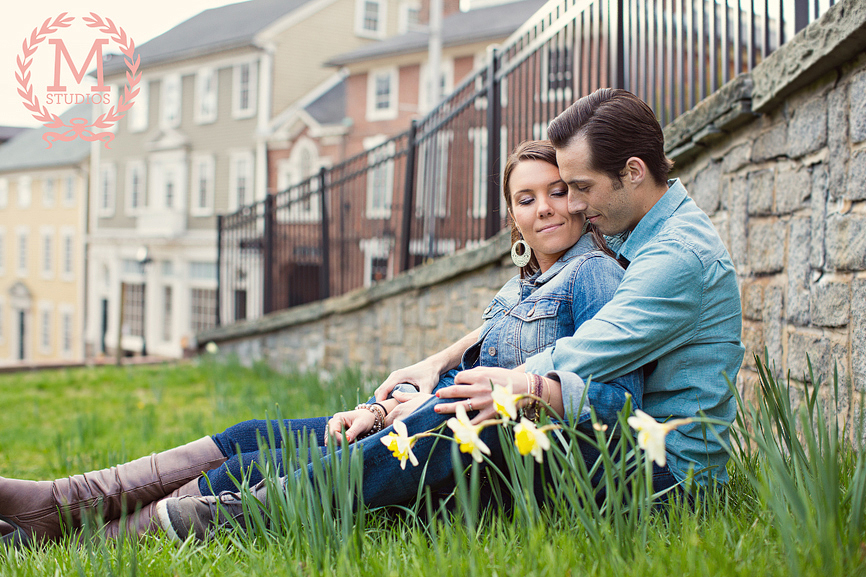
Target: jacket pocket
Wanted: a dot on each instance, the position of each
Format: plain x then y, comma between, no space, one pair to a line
537,326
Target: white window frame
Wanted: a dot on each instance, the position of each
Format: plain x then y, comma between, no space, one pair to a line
375,113
376,248
425,103
382,19
403,23
206,95
49,192
161,167
69,191
440,177
235,158
22,249
203,165
66,254
107,189
46,312
374,209
132,167
66,330
4,193
170,101
478,138
239,112
138,118
47,252
290,172
25,191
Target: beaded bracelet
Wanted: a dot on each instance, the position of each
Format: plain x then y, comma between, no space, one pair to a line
379,418
535,387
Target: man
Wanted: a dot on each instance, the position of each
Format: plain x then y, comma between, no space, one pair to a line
677,310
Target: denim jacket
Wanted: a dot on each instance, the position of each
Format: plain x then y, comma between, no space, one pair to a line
527,317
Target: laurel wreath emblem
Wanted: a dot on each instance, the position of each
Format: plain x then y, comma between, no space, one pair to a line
106,120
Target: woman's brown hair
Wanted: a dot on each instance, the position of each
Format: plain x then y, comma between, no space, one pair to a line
537,150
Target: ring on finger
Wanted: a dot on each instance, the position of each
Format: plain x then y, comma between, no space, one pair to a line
469,406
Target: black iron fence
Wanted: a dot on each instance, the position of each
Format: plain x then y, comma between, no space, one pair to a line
434,189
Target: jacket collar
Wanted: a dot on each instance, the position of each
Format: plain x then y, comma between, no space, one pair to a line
652,222
583,245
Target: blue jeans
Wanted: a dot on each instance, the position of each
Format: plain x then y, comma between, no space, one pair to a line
385,483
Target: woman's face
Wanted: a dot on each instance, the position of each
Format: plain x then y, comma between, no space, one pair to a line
539,207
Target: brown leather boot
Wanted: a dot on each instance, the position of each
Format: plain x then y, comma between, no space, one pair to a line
35,506
144,522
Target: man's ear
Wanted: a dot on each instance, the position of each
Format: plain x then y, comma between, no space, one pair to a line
636,171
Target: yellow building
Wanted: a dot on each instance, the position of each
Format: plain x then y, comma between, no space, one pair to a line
43,197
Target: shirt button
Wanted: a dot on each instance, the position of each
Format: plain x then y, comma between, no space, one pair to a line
492,351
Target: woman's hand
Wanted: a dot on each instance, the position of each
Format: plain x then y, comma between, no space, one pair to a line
408,403
424,375
356,423
475,389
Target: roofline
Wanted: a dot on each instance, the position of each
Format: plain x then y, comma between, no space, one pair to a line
300,104
459,41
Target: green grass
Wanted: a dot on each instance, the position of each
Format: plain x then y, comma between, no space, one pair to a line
762,523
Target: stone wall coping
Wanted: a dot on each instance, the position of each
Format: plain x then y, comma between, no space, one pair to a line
442,269
836,37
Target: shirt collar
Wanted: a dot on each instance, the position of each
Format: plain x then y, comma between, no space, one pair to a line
653,220
583,245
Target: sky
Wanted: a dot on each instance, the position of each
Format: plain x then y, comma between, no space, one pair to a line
141,22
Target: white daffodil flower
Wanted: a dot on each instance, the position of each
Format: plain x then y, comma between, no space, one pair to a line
466,435
529,439
400,444
211,348
651,434
505,401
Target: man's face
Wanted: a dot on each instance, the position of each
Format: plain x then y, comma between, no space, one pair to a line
608,204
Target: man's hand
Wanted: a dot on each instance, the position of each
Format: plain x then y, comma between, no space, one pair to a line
423,375
474,388
408,403
356,423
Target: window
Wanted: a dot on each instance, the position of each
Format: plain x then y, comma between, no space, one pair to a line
166,314
202,185
240,180
557,72
167,182
45,328
135,186
24,191
382,93
67,253
478,139
240,304
138,115
434,175
244,90
69,191
446,84
370,18
133,309
66,329
47,268
380,177
170,101
23,233
202,309
410,13
206,96
203,271
48,192
4,192
107,189
377,259
304,201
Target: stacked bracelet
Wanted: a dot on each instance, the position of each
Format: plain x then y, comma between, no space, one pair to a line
535,387
379,418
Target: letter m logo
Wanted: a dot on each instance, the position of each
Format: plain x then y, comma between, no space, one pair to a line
60,50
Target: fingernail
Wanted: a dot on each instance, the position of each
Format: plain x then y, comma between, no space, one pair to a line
437,394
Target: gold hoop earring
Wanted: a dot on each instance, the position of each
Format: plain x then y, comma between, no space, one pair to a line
521,260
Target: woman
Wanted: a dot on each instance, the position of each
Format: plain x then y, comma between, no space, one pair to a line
564,281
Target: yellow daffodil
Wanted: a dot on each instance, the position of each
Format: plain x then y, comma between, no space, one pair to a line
530,439
466,434
400,444
505,401
651,434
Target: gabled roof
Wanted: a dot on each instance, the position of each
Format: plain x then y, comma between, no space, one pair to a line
330,107
479,25
207,32
7,132
28,150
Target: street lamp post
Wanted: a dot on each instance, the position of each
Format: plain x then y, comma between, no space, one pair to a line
142,255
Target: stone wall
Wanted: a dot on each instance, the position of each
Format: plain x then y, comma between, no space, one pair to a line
777,158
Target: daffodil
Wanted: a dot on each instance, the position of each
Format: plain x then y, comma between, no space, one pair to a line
651,434
211,348
530,439
505,401
466,435
400,444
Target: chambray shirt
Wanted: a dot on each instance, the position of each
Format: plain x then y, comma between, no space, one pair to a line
677,312
528,316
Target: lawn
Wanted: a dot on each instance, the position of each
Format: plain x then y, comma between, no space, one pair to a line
795,504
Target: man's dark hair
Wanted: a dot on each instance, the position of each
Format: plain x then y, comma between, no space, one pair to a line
617,125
